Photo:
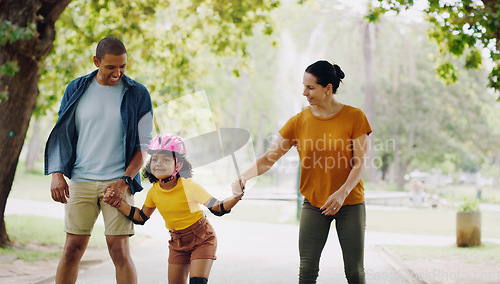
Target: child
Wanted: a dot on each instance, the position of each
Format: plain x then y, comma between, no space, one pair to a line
193,242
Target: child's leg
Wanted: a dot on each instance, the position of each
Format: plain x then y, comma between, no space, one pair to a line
201,268
178,273
198,280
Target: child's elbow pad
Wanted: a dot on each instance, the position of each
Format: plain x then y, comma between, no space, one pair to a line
141,213
222,212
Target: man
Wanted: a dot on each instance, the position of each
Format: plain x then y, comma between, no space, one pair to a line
100,140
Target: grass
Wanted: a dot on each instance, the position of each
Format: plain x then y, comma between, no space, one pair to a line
472,255
38,238
440,221
30,255
31,186
420,221
23,230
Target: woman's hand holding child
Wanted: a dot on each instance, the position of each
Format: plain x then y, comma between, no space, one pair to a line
238,186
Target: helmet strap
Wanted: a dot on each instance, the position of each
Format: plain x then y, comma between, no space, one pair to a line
165,180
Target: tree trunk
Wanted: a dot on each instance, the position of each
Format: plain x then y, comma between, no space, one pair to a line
402,167
368,40
400,163
22,87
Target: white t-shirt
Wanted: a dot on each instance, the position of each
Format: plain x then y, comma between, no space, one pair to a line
100,151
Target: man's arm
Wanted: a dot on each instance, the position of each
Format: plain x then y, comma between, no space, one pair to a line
59,188
136,216
120,186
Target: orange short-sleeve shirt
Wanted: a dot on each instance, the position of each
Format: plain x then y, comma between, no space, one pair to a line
326,150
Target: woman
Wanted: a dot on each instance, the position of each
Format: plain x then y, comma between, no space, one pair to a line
331,140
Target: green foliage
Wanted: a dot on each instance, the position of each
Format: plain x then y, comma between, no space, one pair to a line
447,127
3,96
30,233
30,255
387,158
461,27
166,41
469,204
10,32
447,72
26,229
9,68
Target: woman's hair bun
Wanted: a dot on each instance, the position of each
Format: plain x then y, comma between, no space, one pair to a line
338,71
326,73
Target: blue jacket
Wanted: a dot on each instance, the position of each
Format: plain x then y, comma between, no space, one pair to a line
60,150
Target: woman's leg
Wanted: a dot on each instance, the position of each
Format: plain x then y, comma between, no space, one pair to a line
178,273
350,222
313,233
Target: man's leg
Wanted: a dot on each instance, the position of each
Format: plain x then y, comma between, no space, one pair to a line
118,230
119,250
81,212
67,270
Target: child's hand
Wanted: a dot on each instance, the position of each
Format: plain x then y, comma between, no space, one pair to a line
238,186
108,194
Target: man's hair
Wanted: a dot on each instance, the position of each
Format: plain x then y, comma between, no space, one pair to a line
110,45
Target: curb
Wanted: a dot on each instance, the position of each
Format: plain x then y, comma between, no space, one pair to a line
397,264
84,266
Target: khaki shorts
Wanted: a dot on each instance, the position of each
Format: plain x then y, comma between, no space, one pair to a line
197,241
84,205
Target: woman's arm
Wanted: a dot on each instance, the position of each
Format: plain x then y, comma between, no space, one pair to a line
279,148
335,201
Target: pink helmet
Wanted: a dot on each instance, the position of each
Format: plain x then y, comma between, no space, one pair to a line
167,142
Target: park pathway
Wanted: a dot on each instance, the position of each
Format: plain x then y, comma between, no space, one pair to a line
248,252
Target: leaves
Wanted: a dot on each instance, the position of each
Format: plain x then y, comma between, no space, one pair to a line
447,72
9,68
166,41
433,125
458,27
10,32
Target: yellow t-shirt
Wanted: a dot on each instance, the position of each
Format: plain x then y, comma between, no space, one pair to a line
179,206
325,149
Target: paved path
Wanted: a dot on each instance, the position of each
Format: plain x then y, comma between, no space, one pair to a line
248,252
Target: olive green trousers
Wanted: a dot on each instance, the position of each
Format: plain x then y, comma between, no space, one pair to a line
350,224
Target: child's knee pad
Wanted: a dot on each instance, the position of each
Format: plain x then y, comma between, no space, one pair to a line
198,280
